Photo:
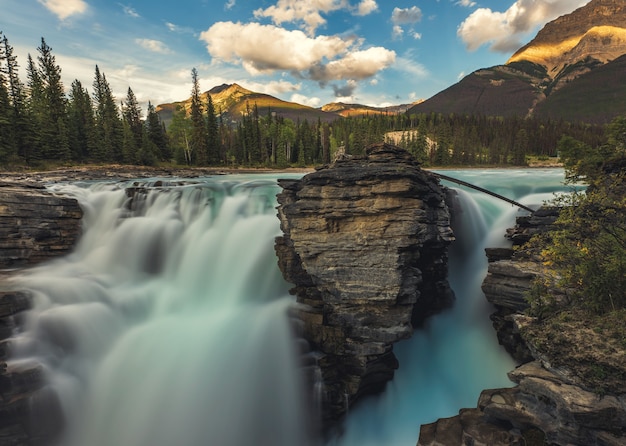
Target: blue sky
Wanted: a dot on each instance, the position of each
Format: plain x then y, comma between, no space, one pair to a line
313,52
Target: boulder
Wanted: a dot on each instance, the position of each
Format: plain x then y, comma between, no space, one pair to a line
365,244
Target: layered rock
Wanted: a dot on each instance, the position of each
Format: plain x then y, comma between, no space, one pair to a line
510,277
544,408
35,225
570,389
365,245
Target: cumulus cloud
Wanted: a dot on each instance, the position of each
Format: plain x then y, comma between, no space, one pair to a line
156,46
306,12
322,58
354,65
309,14
406,16
397,32
503,30
65,8
366,7
306,100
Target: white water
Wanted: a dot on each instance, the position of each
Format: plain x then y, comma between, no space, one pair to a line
168,325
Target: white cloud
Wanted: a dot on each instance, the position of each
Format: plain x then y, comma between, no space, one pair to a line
417,36
65,8
322,58
354,65
397,32
281,49
367,7
503,30
273,88
466,3
406,16
306,100
306,12
230,4
129,11
155,46
408,65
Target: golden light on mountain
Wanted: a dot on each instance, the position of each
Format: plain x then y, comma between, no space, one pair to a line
603,43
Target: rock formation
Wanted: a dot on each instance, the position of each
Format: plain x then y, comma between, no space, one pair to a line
365,244
554,400
35,225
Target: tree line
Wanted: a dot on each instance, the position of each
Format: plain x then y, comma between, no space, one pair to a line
40,122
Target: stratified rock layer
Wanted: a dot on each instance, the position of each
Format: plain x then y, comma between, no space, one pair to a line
35,225
365,243
552,402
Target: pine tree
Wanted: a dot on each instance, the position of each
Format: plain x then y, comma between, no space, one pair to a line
109,127
199,137
54,126
5,112
19,129
81,123
133,134
35,106
155,131
213,142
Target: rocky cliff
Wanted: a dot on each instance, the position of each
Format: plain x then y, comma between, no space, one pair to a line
365,244
570,388
35,225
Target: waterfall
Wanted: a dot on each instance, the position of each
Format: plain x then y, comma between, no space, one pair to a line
169,323
445,365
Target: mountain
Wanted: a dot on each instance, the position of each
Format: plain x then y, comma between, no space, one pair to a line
232,100
573,69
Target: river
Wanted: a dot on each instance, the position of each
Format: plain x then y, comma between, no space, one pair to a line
169,323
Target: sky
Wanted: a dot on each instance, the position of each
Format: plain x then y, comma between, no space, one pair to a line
314,52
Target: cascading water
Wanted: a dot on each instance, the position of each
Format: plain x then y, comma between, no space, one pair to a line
169,323
445,365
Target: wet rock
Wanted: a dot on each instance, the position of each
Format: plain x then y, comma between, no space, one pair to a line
35,225
365,244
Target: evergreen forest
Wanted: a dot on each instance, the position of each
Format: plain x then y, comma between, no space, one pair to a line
44,123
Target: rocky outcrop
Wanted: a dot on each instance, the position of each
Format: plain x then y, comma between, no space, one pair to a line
511,274
35,225
570,389
544,408
365,244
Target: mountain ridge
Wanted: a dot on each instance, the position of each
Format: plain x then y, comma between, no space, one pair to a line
565,52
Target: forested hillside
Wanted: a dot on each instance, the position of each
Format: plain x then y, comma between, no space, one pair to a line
43,122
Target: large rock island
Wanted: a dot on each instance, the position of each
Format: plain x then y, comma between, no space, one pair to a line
365,244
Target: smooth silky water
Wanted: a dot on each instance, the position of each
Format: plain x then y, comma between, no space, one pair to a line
169,323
